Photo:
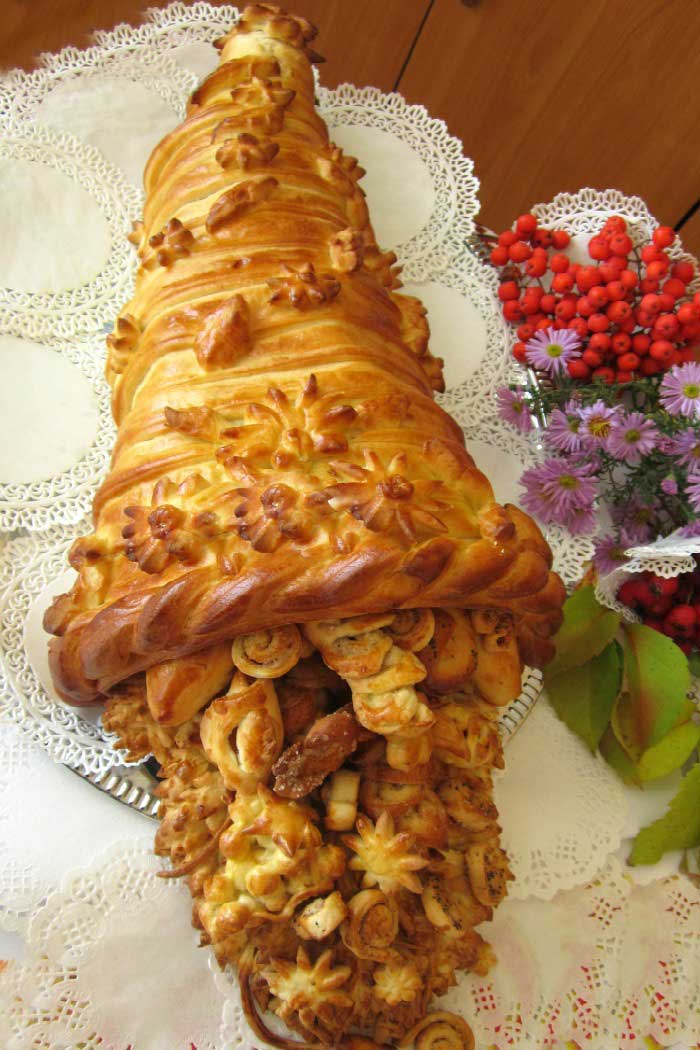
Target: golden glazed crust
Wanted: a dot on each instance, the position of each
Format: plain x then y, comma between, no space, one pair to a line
280,456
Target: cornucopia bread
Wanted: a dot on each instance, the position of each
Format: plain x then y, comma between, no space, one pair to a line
299,593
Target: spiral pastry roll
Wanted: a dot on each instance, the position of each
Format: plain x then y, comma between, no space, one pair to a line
440,1031
267,654
372,925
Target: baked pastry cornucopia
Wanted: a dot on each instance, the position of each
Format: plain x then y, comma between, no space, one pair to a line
300,594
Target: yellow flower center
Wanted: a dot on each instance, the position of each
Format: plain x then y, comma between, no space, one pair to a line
568,481
555,350
632,435
599,426
692,390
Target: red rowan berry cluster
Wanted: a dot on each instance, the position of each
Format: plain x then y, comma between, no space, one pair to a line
670,606
630,308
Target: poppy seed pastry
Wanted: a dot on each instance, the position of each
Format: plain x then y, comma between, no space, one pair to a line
300,594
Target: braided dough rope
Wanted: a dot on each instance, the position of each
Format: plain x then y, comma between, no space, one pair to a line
283,486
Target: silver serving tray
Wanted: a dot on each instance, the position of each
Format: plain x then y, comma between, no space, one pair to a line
133,786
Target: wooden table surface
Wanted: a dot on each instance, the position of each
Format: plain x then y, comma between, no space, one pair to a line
546,95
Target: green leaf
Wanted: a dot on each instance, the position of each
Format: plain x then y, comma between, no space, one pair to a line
616,756
583,697
587,628
687,711
658,680
679,828
627,728
670,753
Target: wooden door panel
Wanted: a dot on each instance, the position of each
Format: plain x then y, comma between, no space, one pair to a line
550,96
365,41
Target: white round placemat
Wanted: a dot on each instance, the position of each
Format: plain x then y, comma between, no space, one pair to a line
56,430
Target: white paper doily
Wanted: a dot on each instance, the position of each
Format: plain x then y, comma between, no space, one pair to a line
111,962
443,190
562,809
32,570
48,820
56,430
667,557
602,966
23,95
66,206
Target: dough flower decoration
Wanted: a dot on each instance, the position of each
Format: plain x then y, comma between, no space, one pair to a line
387,859
398,982
310,996
302,287
286,429
385,500
166,532
173,242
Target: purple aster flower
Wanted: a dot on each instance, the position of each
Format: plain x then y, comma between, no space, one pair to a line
610,552
514,409
636,517
631,436
669,485
689,531
581,521
562,492
550,350
563,427
680,390
686,446
692,491
596,423
666,445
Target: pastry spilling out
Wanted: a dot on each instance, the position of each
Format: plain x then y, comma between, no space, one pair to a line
300,595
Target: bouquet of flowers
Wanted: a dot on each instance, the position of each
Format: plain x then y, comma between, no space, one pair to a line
611,351
614,374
